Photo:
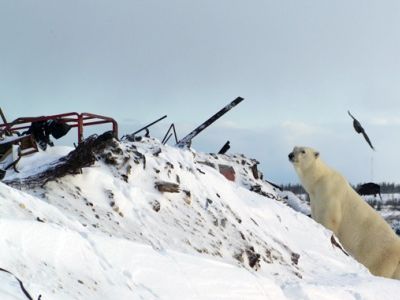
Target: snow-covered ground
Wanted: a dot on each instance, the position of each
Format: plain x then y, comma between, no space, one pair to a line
387,205
109,233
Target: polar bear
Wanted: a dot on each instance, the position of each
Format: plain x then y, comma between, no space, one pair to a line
335,205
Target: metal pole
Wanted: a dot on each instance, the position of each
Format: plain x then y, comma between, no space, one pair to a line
187,139
80,128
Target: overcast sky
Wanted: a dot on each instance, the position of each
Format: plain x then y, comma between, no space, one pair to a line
300,65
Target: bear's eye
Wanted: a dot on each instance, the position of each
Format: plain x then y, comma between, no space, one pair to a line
303,151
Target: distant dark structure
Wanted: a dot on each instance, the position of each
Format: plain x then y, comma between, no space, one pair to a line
359,129
370,188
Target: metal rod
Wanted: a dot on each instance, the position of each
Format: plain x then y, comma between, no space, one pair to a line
167,139
141,129
168,135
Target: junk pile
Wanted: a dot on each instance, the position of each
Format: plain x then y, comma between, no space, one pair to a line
26,135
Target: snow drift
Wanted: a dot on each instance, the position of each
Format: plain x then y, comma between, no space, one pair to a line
148,221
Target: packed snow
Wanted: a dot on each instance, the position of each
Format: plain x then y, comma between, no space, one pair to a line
109,233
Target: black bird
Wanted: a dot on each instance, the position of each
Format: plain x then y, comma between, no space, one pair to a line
359,129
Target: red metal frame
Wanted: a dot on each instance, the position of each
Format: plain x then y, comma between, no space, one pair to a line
73,119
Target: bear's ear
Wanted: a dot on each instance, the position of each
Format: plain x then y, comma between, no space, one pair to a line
316,154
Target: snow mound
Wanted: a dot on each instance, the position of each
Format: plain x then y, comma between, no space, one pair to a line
149,221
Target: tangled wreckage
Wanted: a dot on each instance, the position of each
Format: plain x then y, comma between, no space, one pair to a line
25,135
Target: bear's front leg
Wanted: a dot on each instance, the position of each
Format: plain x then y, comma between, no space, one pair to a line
327,212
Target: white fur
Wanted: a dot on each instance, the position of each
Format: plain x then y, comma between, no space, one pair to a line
335,205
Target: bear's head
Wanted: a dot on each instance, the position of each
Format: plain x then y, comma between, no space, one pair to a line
303,157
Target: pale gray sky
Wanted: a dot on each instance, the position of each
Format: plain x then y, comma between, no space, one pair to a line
300,65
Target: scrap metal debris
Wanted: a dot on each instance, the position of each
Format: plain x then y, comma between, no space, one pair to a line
187,140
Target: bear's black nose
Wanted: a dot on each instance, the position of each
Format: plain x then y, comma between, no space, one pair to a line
291,156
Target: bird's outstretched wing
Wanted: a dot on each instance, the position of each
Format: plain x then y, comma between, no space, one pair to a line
367,139
350,114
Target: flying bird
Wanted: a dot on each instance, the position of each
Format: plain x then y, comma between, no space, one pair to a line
359,129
